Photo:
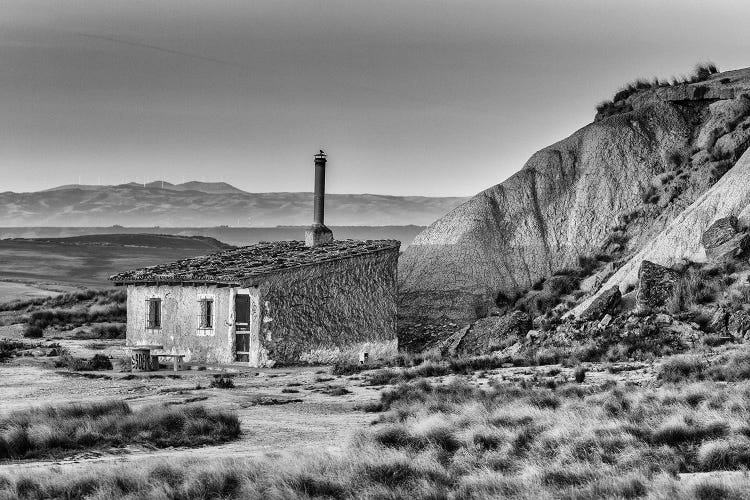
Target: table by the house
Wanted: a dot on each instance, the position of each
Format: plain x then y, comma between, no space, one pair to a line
141,359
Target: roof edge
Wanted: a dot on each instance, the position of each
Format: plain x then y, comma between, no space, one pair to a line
388,245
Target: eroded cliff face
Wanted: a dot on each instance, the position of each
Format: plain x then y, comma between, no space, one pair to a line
631,173
681,240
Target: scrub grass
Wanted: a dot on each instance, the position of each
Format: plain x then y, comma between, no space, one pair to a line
53,431
459,440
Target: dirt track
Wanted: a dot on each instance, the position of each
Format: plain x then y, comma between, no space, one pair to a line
272,421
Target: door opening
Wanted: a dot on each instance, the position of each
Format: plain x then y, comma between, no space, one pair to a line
242,328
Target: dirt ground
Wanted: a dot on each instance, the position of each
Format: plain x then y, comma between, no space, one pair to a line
273,421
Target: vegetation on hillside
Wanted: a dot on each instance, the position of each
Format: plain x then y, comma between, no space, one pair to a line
72,310
701,72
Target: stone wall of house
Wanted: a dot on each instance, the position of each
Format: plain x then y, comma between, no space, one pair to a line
317,313
180,320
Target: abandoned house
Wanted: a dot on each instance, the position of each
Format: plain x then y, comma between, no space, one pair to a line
279,302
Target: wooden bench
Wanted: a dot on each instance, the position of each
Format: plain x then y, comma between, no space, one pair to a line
176,360
141,359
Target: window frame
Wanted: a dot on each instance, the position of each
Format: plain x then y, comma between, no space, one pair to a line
202,298
156,324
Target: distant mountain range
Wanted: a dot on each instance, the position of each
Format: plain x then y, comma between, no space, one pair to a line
203,187
196,204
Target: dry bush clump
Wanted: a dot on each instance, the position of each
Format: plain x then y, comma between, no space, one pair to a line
8,348
698,287
221,381
103,332
96,363
52,431
691,368
434,368
349,366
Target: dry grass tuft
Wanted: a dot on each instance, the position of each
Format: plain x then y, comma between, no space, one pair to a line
52,431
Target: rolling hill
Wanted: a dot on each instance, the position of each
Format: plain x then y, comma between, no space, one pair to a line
196,204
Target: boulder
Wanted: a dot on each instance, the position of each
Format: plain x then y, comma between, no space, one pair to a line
451,344
604,304
732,249
720,232
739,324
493,333
656,285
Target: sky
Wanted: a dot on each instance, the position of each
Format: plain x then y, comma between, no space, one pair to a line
407,97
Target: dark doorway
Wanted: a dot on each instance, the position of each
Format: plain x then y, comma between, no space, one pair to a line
242,328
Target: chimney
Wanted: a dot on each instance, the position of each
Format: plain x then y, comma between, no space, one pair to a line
318,233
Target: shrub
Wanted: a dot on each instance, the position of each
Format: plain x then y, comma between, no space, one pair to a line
725,454
736,368
682,368
8,349
59,430
103,331
348,367
337,391
693,368
579,374
33,332
98,362
221,382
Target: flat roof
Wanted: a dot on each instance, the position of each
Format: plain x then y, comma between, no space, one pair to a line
232,267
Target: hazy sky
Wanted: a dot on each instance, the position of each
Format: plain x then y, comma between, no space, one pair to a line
407,97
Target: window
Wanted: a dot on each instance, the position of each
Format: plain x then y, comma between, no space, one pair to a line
207,313
153,313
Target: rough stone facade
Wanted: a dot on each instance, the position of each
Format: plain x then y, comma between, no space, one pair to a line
315,313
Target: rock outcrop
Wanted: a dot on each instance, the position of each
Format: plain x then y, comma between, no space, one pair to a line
656,286
724,242
604,304
730,196
720,232
623,170
491,334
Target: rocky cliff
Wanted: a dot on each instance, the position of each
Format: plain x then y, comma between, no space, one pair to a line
615,183
682,241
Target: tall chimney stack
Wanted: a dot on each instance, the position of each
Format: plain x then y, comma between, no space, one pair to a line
318,233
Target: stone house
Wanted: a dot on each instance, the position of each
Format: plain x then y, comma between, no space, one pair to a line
280,302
